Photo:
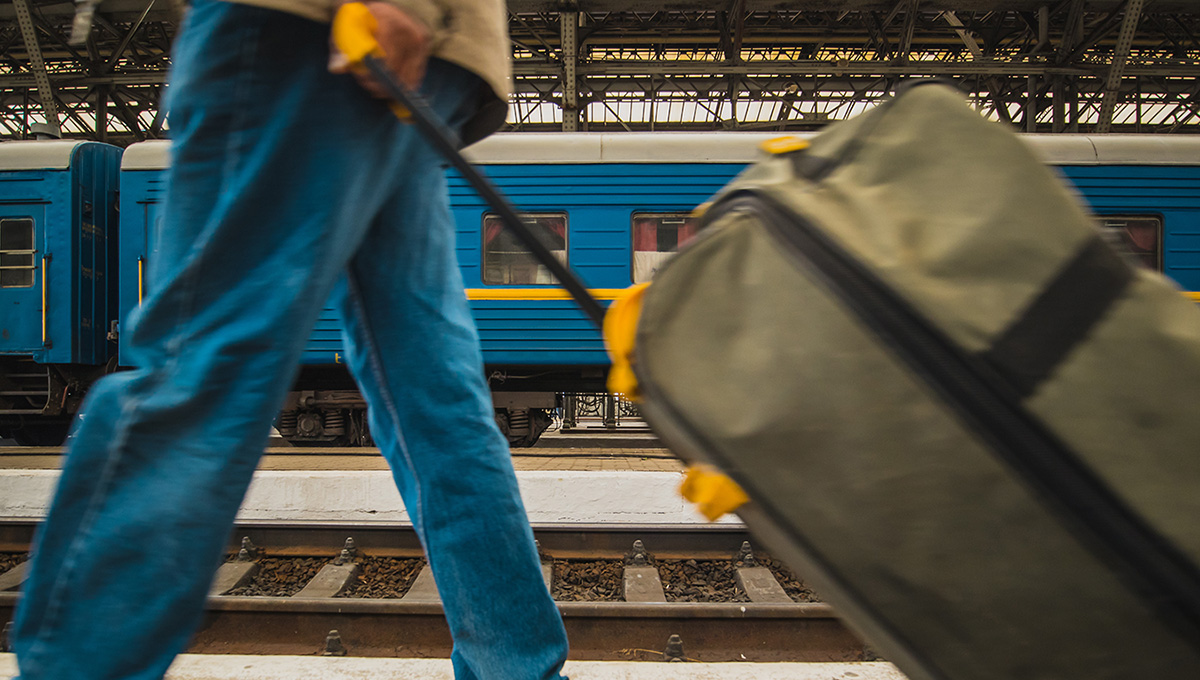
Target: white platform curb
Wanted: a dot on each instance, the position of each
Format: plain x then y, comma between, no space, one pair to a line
214,667
609,497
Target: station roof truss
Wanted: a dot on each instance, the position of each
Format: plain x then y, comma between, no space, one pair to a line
612,65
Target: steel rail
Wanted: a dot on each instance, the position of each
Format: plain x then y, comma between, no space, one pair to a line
599,631
385,539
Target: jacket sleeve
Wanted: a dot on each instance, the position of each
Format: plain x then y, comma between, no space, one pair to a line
429,12
472,34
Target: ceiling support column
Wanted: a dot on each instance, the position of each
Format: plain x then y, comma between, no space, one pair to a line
37,65
102,113
569,34
1112,88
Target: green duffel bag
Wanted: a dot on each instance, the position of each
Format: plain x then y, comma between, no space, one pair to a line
955,409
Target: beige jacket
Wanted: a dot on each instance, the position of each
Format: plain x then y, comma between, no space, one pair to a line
470,33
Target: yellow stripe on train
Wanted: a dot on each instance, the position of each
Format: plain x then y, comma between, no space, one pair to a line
598,293
537,293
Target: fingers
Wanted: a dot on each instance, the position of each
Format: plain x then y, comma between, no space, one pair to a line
338,63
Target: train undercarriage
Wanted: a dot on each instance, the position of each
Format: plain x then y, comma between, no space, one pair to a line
339,417
525,401
38,402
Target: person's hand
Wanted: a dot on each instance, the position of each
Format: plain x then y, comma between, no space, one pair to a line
405,41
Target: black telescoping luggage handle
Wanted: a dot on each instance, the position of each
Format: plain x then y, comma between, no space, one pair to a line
446,142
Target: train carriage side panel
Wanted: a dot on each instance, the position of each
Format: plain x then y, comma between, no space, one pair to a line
536,324
142,189
58,246
1170,194
535,341
57,243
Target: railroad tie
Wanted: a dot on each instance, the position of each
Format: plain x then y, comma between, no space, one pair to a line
232,575
756,581
239,572
760,585
13,578
331,581
547,563
642,582
423,589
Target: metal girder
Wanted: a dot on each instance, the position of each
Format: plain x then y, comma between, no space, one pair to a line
117,53
1112,88
910,25
37,65
928,69
167,9
964,35
712,64
569,21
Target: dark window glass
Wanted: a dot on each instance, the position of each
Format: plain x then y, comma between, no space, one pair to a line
16,253
1138,235
507,261
655,237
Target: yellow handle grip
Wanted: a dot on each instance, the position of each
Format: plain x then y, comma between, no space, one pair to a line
354,35
354,32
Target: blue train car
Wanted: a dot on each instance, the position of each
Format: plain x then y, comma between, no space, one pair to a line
142,188
1145,190
614,207
58,264
536,343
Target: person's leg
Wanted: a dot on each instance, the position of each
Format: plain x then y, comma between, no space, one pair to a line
413,347
263,210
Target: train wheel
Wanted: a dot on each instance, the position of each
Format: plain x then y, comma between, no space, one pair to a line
523,426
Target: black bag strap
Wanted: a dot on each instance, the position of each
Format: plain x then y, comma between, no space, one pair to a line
1060,317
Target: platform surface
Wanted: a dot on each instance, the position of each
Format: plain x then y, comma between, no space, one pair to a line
364,496
214,667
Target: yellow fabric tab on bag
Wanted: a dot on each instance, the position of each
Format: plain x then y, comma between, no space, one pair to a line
779,145
713,493
620,337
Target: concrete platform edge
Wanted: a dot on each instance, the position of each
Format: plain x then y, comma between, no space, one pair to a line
616,497
234,667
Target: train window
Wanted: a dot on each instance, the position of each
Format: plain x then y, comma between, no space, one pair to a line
16,253
655,237
1138,235
507,261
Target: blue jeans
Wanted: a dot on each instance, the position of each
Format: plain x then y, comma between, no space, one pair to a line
288,185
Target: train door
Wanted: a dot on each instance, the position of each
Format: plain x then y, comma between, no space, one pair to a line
139,246
24,292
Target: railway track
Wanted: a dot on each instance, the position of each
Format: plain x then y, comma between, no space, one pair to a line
706,599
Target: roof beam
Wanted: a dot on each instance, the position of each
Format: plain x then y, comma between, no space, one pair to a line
963,34
116,55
